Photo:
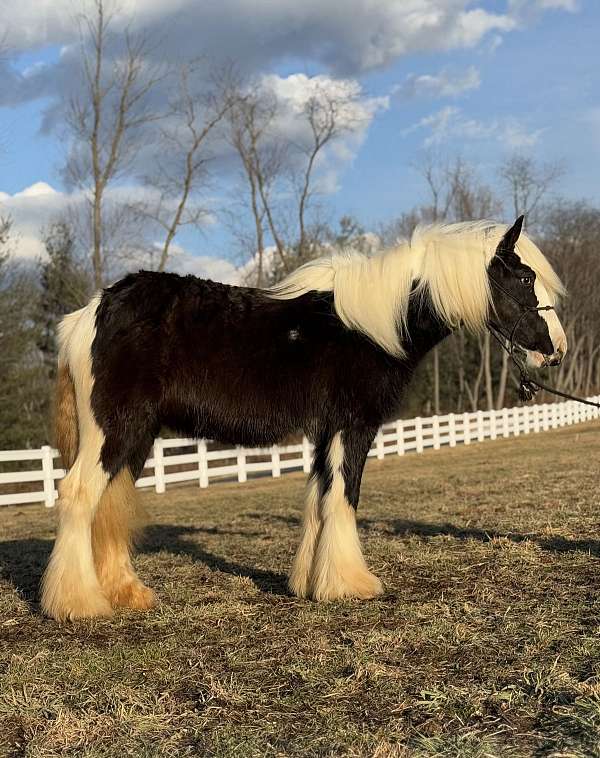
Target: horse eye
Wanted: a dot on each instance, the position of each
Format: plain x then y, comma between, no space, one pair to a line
527,281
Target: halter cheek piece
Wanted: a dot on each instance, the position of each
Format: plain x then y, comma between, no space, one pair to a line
525,309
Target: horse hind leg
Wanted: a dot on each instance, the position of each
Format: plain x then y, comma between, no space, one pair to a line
300,575
339,569
115,523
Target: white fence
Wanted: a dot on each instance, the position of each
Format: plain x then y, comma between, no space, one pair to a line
204,465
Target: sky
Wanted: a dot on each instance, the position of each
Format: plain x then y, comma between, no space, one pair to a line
478,78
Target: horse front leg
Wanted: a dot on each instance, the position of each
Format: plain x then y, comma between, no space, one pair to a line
338,567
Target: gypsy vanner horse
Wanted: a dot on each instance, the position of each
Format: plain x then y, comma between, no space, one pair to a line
329,351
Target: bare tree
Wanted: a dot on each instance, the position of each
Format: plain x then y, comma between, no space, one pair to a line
272,161
528,183
107,117
327,115
571,235
251,122
199,105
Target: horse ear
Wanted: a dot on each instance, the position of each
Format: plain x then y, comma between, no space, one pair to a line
508,242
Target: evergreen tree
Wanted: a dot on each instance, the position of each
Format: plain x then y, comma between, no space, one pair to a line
64,287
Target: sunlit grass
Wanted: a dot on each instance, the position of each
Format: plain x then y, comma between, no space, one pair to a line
486,642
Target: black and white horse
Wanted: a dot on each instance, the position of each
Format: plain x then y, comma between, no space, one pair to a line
329,351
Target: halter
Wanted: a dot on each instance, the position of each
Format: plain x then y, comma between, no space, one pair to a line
525,309
528,387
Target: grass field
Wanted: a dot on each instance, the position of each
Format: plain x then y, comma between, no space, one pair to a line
486,643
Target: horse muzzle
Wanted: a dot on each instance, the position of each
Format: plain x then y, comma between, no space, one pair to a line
535,359
553,360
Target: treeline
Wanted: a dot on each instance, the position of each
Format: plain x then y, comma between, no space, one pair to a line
33,299
159,129
466,372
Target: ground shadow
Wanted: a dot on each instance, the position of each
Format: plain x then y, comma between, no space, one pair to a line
22,562
408,528
175,539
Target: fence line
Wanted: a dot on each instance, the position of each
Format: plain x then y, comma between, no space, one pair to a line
396,438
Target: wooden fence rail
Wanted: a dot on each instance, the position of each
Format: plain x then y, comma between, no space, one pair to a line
199,462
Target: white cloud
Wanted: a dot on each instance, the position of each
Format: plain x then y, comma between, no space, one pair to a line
443,84
182,261
31,210
355,113
39,205
451,123
471,26
517,7
565,5
346,36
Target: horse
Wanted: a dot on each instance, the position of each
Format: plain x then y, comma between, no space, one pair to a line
328,351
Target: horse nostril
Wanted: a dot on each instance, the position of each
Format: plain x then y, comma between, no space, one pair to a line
555,359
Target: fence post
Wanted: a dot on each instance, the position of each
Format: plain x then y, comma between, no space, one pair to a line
536,418
305,455
516,421
275,461
493,428
418,434
202,464
159,466
466,428
505,425
480,432
452,430
48,470
400,437
545,417
379,444
526,419
435,430
241,464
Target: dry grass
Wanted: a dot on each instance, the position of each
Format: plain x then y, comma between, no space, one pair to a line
486,643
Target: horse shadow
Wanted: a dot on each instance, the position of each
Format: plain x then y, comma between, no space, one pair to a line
22,561
174,538
409,528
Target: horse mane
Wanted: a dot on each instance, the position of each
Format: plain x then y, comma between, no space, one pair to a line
450,261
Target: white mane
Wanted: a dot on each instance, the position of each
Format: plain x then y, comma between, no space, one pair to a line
371,294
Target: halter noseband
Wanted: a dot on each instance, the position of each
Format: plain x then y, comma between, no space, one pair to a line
525,309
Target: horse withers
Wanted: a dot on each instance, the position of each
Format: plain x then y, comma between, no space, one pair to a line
329,351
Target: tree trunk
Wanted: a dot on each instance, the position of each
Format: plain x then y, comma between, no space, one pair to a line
97,239
487,366
436,380
501,394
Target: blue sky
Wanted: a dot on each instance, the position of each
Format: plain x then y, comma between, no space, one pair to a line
534,87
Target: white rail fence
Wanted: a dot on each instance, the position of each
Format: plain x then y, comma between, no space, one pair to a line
202,464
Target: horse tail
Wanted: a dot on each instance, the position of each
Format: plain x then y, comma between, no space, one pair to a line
66,424
66,427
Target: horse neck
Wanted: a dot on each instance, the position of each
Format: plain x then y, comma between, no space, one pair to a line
425,329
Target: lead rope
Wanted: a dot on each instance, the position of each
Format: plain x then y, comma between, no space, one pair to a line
529,387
